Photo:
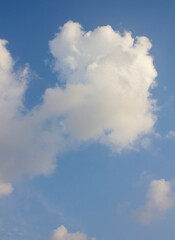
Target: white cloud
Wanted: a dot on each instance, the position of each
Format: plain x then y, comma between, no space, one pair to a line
5,189
160,199
108,78
61,233
106,98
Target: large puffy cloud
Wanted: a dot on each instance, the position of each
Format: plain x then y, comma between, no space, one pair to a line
160,199
105,96
61,233
108,79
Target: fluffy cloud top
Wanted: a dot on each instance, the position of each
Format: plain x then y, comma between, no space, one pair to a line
160,199
61,233
108,78
105,97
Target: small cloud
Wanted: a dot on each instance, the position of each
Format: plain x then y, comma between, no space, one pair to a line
61,233
171,134
5,189
160,198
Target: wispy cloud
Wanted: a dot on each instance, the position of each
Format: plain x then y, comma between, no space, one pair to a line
170,134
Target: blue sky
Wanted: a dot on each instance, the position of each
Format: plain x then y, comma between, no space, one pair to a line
85,152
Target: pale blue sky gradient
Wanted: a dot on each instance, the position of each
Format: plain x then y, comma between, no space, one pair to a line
93,190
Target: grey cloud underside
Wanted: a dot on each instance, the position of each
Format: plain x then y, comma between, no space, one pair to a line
106,98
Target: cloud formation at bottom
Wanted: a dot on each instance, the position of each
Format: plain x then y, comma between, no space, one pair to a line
160,198
61,233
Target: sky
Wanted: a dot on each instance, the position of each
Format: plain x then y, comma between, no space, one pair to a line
87,120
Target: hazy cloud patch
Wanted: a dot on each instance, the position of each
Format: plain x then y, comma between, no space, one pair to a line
5,189
170,134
